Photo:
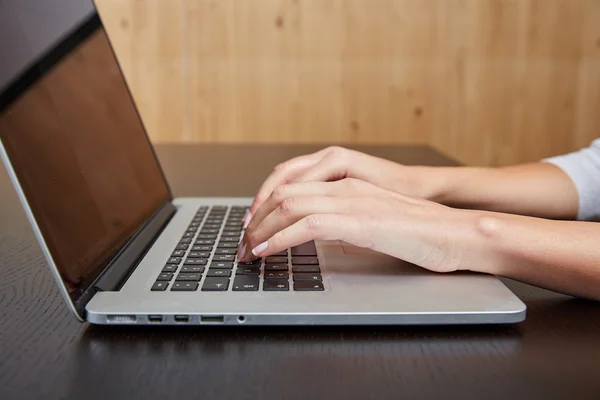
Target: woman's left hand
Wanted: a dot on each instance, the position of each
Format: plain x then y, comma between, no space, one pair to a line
418,231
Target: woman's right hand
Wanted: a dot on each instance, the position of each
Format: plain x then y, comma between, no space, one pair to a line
336,163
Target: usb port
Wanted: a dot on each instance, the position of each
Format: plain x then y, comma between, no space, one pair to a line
155,318
212,319
182,319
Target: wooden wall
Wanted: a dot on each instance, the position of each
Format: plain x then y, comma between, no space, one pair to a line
491,82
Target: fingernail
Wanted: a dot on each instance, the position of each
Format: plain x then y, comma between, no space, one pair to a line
247,218
241,251
258,250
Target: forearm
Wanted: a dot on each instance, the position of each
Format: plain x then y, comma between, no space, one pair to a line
557,255
540,190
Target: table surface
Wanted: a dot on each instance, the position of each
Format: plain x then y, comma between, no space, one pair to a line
45,353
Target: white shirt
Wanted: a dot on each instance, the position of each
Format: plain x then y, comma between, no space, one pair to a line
583,167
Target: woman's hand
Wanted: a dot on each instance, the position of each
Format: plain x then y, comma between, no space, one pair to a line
418,231
538,189
335,163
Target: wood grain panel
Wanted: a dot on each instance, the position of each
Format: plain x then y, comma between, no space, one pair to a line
525,86
491,82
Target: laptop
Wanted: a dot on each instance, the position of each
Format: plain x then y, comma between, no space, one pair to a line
124,251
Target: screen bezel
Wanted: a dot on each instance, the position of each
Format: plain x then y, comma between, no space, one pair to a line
12,91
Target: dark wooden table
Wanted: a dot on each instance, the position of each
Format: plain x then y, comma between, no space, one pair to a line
45,353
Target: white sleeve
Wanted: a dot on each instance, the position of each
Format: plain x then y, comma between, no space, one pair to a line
583,167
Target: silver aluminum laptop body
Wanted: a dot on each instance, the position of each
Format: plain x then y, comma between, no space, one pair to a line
361,287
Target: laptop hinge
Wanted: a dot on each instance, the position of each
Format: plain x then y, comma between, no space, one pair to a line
124,264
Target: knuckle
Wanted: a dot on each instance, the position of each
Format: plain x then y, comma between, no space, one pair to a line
288,206
279,192
314,224
336,150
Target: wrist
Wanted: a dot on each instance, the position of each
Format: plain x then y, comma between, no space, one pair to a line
431,183
480,242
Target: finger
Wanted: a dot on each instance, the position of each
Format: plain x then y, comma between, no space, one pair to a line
294,209
283,173
341,188
332,167
313,227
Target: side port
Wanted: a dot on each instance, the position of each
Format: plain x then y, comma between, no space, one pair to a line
182,319
121,319
155,319
212,319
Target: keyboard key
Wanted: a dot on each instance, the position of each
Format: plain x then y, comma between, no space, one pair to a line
304,286
305,261
195,261
276,275
306,268
212,226
230,234
206,231
197,269
174,260
170,268
276,267
218,272
189,234
178,253
247,271
223,257
182,246
185,241
226,251
306,249
210,236
221,265
204,242
307,277
215,284
184,287
230,239
202,248
276,260
165,276
227,245
199,254
233,228
160,286
283,253
276,285
253,263
245,283
188,277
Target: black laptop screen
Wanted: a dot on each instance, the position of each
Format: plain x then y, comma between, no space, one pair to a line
76,143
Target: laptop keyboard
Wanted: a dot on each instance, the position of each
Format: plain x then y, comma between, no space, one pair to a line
205,259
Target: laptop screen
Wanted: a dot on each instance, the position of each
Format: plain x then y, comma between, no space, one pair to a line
73,136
